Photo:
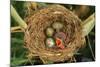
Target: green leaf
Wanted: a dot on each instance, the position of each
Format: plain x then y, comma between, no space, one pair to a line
88,24
17,18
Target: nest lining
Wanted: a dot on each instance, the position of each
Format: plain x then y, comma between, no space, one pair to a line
35,36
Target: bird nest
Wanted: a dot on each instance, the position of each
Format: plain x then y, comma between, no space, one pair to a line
35,35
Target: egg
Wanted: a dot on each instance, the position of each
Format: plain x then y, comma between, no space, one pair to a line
57,25
49,31
50,42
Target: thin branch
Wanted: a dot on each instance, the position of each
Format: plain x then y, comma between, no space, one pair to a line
44,62
90,48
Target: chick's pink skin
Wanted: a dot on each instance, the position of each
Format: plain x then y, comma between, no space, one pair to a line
60,35
59,43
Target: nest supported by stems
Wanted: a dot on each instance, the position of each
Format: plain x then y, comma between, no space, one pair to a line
35,33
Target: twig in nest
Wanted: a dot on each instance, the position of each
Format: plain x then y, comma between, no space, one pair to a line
72,59
44,62
30,61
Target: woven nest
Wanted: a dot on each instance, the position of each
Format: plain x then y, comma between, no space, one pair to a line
35,33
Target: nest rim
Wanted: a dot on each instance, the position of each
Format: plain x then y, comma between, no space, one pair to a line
52,54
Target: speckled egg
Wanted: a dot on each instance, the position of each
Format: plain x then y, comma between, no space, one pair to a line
50,42
49,31
57,25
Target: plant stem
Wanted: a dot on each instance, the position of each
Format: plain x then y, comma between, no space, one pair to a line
16,29
17,18
88,24
89,44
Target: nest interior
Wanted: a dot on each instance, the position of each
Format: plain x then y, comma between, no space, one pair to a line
35,35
